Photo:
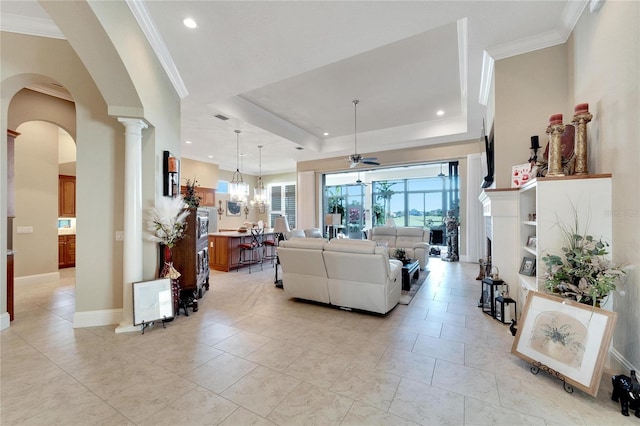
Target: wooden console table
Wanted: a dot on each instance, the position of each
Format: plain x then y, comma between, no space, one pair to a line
224,252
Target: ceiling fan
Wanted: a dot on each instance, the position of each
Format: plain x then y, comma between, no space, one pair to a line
356,158
360,182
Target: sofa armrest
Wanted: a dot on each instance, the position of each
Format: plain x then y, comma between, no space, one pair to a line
421,245
395,261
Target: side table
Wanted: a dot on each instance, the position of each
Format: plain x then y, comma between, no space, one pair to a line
410,272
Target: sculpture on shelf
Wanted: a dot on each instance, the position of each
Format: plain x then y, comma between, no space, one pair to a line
627,390
451,222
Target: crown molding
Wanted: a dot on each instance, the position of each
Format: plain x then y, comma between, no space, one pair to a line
141,13
30,26
570,16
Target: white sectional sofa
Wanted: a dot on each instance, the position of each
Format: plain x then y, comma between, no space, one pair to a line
414,240
354,274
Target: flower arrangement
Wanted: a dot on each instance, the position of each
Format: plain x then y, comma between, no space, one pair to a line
166,222
583,271
190,198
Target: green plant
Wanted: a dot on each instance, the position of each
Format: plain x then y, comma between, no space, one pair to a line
378,214
401,254
190,198
384,192
583,270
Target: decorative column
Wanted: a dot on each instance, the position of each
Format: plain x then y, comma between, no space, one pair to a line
555,130
580,120
132,249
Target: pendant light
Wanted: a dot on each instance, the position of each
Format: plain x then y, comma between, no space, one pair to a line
238,188
259,192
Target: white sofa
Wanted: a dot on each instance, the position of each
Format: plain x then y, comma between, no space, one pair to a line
414,240
353,274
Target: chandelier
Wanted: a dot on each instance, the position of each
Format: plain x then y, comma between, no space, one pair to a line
259,192
238,188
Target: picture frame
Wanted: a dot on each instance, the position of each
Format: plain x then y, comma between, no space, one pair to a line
233,208
152,301
532,242
170,175
528,266
568,339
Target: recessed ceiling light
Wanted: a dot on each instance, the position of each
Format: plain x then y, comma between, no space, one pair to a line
326,133
189,23
187,142
210,156
440,113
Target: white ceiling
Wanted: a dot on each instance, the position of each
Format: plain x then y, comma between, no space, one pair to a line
285,72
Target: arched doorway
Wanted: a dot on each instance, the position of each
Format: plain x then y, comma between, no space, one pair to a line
42,152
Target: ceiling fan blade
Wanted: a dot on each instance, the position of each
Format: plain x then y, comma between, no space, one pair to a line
353,164
373,163
369,159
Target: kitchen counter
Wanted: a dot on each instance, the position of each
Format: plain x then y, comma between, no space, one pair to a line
224,252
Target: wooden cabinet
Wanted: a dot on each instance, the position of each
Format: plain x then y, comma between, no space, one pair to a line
190,255
207,195
66,251
66,196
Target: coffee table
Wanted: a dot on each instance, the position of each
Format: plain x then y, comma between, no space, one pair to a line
410,273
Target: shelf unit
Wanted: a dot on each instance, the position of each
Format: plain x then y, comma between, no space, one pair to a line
556,202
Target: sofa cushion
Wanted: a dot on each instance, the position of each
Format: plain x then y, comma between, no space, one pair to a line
406,237
303,270
351,246
313,233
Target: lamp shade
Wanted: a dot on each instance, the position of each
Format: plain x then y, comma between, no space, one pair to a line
332,219
281,225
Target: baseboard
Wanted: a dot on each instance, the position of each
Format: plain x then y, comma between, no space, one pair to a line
97,318
618,363
5,320
37,279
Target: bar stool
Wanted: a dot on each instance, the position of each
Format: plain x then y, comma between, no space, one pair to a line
269,252
254,247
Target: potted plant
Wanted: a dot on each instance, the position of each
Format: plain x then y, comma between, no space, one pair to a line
166,224
190,197
401,255
583,271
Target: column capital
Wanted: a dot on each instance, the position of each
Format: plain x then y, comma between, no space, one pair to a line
134,123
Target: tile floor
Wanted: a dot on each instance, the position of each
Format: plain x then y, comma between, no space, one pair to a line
250,356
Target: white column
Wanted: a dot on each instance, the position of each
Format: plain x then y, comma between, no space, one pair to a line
132,249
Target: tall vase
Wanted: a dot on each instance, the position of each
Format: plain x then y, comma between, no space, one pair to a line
165,260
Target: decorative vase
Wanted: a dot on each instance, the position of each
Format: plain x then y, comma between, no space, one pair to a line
580,120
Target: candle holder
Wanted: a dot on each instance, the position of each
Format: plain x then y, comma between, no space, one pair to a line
555,131
580,120
535,146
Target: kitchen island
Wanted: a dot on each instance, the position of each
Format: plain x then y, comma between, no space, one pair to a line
224,250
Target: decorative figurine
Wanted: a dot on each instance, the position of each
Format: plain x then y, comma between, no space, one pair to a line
627,390
451,222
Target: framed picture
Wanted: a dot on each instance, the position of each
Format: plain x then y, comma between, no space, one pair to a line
528,266
170,175
233,208
531,242
152,301
522,173
565,338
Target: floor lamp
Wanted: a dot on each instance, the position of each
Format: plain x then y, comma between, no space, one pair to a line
280,227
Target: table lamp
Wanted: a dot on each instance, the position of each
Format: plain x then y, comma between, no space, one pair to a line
280,226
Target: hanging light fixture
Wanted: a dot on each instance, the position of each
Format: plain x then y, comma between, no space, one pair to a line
238,188
259,192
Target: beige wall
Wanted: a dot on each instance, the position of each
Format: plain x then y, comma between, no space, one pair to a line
606,54
99,136
600,65
528,89
36,189
205,173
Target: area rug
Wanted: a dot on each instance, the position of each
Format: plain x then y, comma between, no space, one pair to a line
407,295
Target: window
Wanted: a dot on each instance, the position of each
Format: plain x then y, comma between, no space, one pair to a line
223,187
282,202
